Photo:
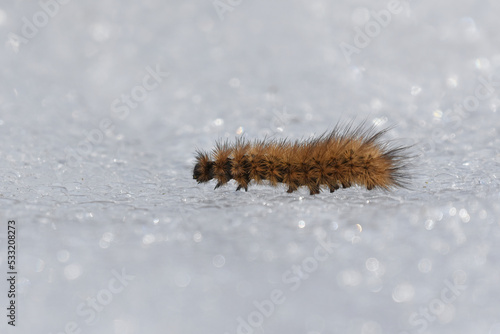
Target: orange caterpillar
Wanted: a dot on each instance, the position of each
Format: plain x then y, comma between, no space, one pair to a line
342,157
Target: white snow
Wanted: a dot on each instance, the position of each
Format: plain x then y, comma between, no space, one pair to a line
103,104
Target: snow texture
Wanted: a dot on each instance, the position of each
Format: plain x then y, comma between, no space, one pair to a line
103,104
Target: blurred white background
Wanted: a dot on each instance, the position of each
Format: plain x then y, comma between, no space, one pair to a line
103,104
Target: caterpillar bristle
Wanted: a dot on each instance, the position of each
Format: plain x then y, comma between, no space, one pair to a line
343,157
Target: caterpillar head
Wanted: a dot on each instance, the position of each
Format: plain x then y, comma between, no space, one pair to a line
203,170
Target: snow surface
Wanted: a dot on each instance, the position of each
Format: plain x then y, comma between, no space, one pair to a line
100,189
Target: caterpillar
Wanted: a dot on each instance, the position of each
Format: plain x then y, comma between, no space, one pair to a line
342,157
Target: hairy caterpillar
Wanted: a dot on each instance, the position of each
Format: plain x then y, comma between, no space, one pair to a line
341,157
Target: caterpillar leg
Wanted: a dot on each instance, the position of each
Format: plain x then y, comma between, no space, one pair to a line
242,186
243,181
218,185
313,190
292,188
333,188
346,184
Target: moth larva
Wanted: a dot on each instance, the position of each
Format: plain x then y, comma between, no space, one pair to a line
341,157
